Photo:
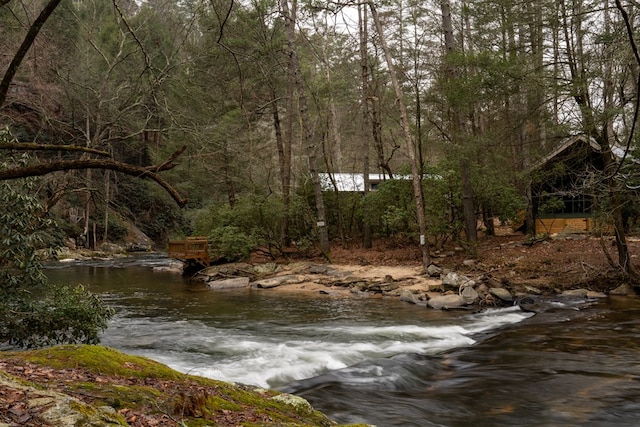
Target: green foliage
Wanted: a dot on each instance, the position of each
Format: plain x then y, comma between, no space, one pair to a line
231,243
117,230
496,193
391,209
443,203
22,232
55,315
350,211
34,312
252,221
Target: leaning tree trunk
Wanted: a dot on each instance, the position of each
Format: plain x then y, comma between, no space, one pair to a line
624,258
579,81
409,141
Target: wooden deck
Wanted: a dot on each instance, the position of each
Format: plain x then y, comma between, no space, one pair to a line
192,250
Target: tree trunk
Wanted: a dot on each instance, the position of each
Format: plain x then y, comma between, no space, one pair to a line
366,119
458,132
311,147
107,194
284,159
604,136
408,140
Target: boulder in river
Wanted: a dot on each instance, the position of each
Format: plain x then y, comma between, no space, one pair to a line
434,271
578,293
624,289
447,302
232,283
407,296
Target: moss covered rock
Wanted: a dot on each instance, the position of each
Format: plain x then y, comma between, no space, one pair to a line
80,385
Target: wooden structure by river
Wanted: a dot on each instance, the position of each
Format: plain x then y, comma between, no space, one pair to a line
194,251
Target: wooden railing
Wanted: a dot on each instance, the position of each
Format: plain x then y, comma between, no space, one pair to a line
193,250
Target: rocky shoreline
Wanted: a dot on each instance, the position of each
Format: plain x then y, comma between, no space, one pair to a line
437,288
468,285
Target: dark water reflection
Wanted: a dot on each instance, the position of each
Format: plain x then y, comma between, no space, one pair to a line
381,361
568,368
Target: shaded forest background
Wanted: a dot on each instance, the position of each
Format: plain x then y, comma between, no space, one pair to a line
243,105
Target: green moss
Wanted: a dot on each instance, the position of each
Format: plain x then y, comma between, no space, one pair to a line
119,396
220,404
100,360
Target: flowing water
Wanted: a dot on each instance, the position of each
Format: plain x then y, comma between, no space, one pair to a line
380,361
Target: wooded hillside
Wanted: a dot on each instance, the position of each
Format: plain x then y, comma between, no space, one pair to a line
236,109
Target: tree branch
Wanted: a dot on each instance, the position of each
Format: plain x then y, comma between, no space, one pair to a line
64,165
24,48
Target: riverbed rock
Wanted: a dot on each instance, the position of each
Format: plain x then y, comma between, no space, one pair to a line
596,294
453,281
469,294
434,271
300,404
447,302
624,289
576,293
320,269
407,296
266,268
173,267
232,283
382,287
502,294
228,270
152,394
532,290
111,248
274,282
530,305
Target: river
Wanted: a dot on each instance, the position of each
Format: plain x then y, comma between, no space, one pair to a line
381,361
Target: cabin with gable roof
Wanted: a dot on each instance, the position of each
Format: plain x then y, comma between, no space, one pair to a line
564,186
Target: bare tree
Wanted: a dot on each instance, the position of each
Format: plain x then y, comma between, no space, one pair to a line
408,139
